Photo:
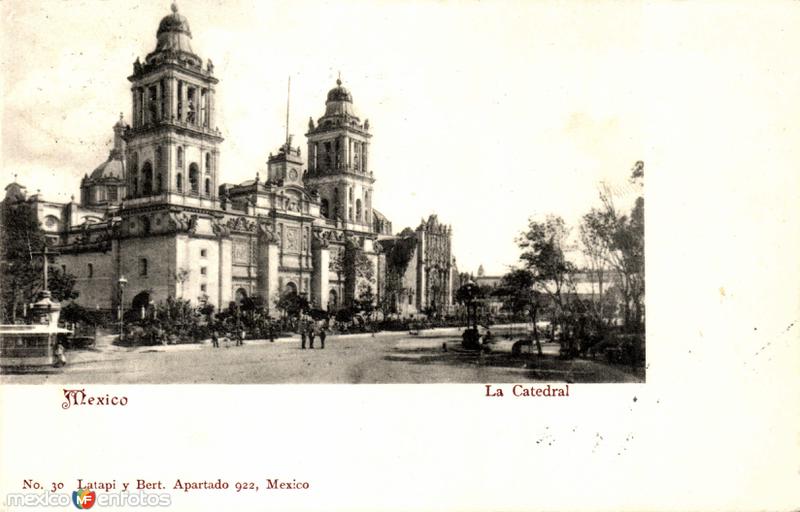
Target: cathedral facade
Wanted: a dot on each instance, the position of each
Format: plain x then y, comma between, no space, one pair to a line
155,220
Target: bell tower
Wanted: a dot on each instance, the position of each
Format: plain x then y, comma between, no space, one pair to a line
338,162
173,143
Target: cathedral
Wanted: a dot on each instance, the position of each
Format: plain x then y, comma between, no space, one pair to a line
155,220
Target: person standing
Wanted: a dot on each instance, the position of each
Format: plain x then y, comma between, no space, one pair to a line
214,339
239,334
312,326
322,336
302,325
59,357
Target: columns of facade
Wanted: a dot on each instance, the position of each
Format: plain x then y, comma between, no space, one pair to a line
346,151
364,159
134,109
159,92
225,291
267,271
320,276
211,119
184,102
273,286
172,97
142,105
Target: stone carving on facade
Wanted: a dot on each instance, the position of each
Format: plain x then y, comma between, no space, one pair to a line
241,224
320,239
267,233
219,229
181,223
332,235
137,66
292,239
210,67
241,252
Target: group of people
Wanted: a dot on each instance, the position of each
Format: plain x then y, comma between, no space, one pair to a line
309,330
238,333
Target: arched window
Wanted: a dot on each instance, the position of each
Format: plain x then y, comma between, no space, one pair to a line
358,209
333,299
208,162
323,208
290,289
179,182
147,179
158,183
180,157
208,187
194,178
142,266
90,270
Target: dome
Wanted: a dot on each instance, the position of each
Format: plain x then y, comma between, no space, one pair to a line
339,93
174,34
111,168
174,23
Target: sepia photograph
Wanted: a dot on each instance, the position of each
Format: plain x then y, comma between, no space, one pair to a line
290,220
390,255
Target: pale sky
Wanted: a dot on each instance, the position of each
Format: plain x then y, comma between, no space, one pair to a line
485,113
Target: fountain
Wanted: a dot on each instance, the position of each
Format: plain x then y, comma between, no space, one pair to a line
33,344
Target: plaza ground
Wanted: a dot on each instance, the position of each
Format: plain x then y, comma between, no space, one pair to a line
386,357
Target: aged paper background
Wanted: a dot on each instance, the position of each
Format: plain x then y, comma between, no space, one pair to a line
714,428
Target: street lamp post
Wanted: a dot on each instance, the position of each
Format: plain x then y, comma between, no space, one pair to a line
470,337
121,282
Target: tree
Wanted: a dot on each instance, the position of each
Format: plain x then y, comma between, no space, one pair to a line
543,253
356,266
75,313
21,277
521,296
292,304
398,255
594,229
618,240
365,302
